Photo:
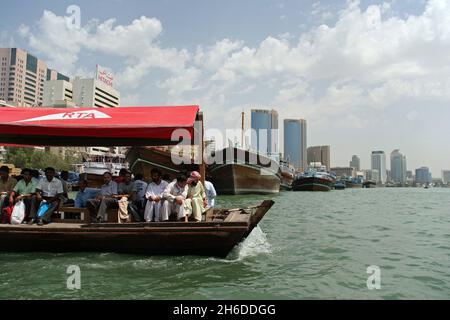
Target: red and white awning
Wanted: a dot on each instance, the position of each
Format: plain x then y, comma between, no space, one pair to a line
124,126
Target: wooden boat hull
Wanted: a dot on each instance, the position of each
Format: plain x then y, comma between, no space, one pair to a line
238,179
352,185
144,159
312,184
237,171
212,238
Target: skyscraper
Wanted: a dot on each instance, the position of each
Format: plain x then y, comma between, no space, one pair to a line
264,124
319,154
423,175
295,143
378,161
22,77
355,163
446,176
398,167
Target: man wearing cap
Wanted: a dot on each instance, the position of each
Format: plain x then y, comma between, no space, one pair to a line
196,201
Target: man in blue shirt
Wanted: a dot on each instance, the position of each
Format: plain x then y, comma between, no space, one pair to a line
84,194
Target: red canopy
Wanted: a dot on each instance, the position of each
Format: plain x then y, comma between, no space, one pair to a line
124,126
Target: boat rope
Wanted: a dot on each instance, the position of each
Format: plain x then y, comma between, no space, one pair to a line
153,164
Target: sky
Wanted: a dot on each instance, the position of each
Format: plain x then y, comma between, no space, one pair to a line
366,75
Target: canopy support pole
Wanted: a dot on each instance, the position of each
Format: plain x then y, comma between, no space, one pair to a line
201,148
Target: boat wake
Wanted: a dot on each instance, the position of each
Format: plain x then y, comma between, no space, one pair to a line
255,244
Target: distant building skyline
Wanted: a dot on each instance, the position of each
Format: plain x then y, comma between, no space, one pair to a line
355,162
22,77
295,142
423,175
320,154
446,176
264,125
379,163
398,167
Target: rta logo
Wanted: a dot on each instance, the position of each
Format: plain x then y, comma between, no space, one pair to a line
88,114
79,115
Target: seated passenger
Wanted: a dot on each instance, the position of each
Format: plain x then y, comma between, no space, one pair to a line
7,185
105,200
196,196
49,189
84,194
126,187
24,190
175,195
121,176
65,200
137,205
211,194
155,198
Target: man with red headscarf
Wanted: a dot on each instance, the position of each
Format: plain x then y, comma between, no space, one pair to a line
196,201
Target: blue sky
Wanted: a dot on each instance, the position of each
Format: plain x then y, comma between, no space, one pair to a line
366,75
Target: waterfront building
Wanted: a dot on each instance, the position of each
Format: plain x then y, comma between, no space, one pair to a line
58,94
22,78
378,161
318,154
355,163
94,93
446,176
398,167
3,103
409,175
423,175
264,125
344,172
371,175
295,143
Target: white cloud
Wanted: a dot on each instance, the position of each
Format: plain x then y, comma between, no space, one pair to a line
135,43
367,59
6,40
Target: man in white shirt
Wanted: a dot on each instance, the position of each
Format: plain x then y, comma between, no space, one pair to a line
211,194
155,198
49,189
175,196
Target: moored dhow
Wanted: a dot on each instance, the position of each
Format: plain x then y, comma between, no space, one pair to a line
237,171
353,182
313,180
286,174
144,159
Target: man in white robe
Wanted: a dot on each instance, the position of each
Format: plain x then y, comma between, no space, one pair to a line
155,200
175,196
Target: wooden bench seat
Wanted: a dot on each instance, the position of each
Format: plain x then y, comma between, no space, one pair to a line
79,215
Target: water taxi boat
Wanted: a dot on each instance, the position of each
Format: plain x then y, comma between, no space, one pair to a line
220,231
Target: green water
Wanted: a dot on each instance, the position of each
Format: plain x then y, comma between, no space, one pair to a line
310,245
